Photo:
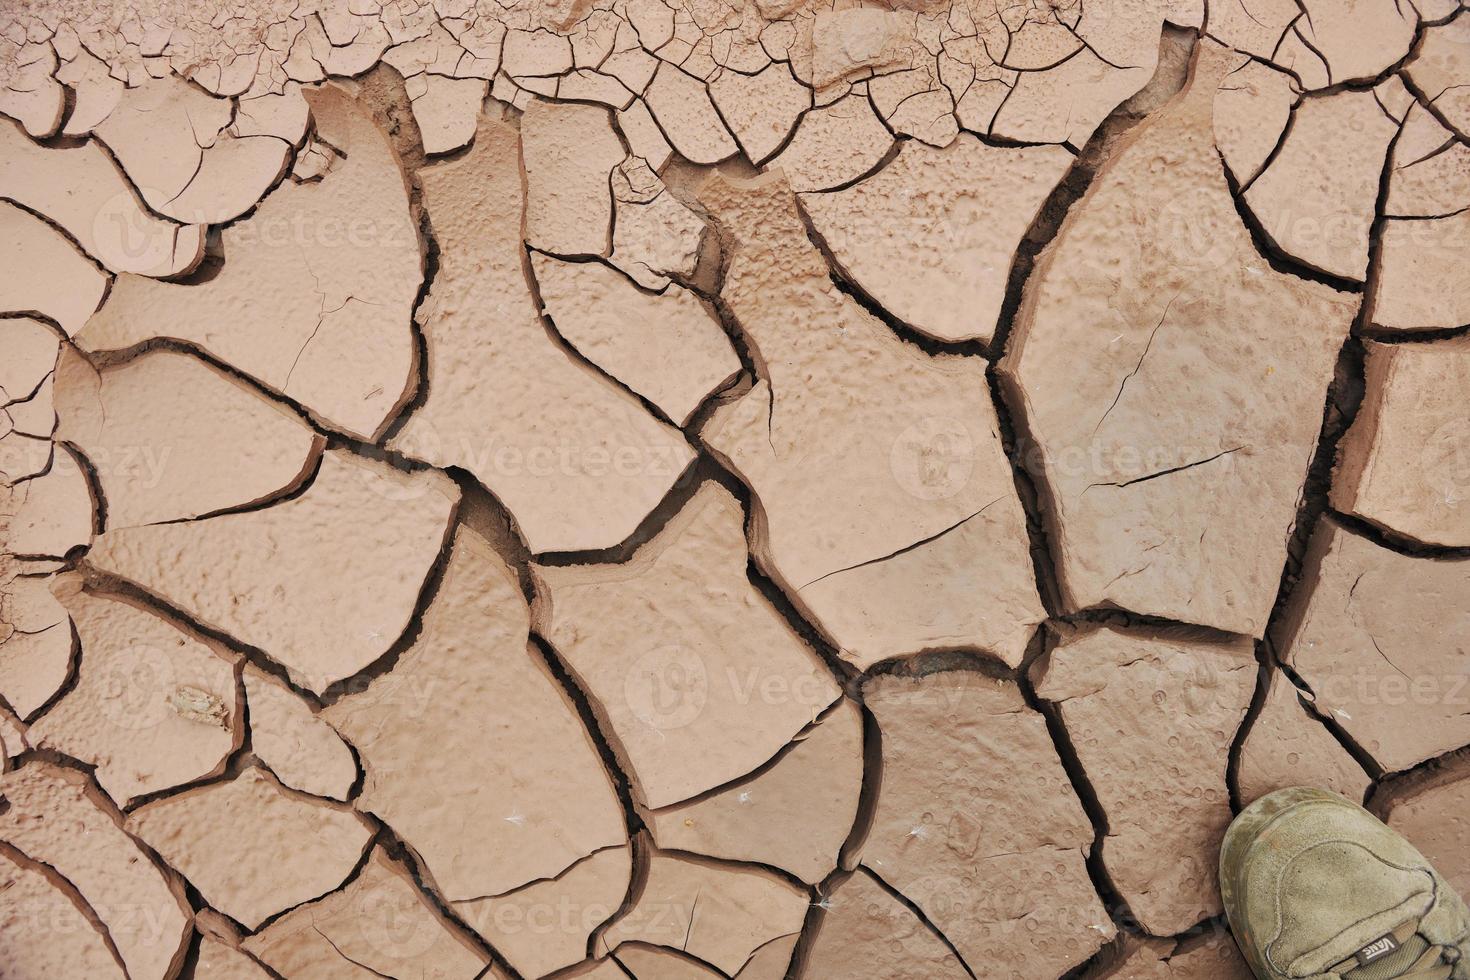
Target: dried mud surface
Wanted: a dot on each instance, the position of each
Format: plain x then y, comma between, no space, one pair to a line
759,489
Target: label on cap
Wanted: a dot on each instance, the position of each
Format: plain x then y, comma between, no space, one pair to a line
1377,949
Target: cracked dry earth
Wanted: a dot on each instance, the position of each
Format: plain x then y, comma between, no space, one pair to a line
720,488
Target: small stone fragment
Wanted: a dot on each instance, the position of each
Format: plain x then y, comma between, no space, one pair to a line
55,817
867,934
931,237
544,926
198,705
518,796
576,460
1170,457
719,913
287,736
1401,465
1433,817
762,109
258,575
1288,746
1381,640
794,815
1317,197
379,925
170,437
834,145
1151,720
568,151
153,708
1006,883
252,848
681,104
42,931
80,189
701,680
667,348
893,523
315,294
45,273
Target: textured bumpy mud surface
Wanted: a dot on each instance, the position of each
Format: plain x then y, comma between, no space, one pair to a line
743,489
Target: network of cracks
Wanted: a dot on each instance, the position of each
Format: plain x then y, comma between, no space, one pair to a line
730,490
